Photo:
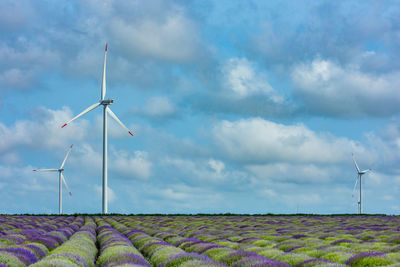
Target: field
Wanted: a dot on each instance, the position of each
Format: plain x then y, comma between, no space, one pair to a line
199,240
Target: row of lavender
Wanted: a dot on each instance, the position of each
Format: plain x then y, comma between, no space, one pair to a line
200,241
222,254
297,241
63,241
25,239
158,252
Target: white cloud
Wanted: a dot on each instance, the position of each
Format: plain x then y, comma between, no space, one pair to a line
27,54
110,193
21,63
329,88
387,144
173,194
137,166
120,162
44,130
23,179
173,38
15,15
216,165
184,196
10,158
241,78
388,198
86,158
16,78
295,173
269,193
157,107
201,170
258,141
303,199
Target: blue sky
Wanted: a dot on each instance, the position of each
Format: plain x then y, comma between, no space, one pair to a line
236,106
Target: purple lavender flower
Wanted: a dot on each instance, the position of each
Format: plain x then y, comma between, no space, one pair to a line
25,255
37,249
14,239
48,241
133,232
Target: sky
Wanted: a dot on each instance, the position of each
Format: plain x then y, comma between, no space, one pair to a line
236,106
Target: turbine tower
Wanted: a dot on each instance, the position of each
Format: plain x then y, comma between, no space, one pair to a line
60,178
359,176
105,103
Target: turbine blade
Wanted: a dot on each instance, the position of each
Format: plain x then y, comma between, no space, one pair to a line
354,188
117,120
355,163
103,84
46,170
82,113
66,156
65,183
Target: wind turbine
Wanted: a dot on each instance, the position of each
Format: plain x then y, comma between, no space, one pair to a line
60,177
359,175
105,103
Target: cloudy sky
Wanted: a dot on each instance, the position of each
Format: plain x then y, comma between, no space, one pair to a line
236,106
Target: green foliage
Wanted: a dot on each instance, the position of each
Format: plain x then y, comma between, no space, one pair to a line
373,261
291,258
56,261
164,253
218,254
10,260
264,243
198,263
337,256
228,244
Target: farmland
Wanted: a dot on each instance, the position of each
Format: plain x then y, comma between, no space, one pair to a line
199,240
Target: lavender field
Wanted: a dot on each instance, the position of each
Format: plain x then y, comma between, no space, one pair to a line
199,240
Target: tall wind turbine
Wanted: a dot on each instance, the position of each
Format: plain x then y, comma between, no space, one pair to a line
105,103
60,177
359,175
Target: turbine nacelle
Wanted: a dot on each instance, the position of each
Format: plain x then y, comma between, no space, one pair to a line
107,102
364,172
60,170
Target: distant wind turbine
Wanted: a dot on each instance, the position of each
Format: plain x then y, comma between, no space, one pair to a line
359,175
60,177
105,103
